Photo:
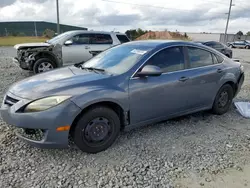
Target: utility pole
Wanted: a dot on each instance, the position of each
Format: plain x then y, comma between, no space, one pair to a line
58,23
228,17
35,29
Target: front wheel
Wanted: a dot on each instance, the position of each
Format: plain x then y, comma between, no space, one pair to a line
223,100
43,65
96,130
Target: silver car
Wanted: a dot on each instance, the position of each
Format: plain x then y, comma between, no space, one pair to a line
65,49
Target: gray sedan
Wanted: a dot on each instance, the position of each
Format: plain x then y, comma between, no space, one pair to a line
127,86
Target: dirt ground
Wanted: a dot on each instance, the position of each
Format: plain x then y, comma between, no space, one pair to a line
231,178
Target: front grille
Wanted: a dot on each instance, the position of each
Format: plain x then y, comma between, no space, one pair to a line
10,101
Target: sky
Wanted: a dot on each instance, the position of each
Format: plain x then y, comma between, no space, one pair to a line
121,15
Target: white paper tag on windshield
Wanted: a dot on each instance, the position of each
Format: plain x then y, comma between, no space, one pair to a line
140,52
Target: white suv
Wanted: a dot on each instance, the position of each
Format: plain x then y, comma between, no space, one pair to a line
65,49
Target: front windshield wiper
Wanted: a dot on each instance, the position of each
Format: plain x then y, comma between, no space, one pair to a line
93,69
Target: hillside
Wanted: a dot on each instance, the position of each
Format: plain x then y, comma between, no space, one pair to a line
162,35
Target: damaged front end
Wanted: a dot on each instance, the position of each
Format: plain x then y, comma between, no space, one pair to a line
27,55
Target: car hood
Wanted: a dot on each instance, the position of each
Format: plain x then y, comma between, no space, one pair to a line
25,45
60,81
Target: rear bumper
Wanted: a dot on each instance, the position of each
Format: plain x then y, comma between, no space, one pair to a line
47,121
240,83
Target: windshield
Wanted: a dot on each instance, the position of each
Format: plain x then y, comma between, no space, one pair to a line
119,59
58,37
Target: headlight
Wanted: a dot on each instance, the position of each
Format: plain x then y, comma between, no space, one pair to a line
45,103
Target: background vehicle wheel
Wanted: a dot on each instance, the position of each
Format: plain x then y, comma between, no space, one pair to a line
223,100
24,68
247,47
43,65
96,130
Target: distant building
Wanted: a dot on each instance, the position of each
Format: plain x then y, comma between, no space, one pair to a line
204,36
30,28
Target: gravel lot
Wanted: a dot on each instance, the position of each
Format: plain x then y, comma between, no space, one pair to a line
195,148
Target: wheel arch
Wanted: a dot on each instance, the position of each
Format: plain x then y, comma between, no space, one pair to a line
46,54
117,108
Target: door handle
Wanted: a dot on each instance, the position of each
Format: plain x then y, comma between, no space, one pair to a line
183,79
87,47
219,70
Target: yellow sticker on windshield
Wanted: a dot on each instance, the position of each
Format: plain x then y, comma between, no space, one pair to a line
140,52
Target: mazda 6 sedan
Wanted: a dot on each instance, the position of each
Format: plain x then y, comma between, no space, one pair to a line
130,85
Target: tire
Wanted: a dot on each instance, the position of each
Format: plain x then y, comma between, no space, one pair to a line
43,65
247,47
221,106
96,130
24,68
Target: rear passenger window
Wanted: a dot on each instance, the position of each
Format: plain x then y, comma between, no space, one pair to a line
122,38
219,58
215,59
101,39
169,59
199,57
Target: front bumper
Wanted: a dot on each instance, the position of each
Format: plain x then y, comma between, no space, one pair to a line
22,64
47,121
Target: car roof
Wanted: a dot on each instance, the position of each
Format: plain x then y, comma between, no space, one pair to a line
163,43
97,32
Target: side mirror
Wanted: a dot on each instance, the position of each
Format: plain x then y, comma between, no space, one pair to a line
150,70
68,42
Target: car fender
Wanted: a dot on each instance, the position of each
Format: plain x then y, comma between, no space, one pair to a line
55,53
228,77
102,94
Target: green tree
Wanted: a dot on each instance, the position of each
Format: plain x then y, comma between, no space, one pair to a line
248,33
133,33
49,33
240,33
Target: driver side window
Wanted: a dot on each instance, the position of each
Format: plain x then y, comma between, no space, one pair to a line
169,59
80,39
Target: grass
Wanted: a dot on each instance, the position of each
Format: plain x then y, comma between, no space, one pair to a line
11,41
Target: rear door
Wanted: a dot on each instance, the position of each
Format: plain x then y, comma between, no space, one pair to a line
204,75
238,44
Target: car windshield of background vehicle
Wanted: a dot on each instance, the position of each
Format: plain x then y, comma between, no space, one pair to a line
119,59
58,37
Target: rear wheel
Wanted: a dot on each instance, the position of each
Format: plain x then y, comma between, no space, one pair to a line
96,130
223,100
43,65
247,47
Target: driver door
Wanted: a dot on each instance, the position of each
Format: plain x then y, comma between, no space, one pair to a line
78,51
156,97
